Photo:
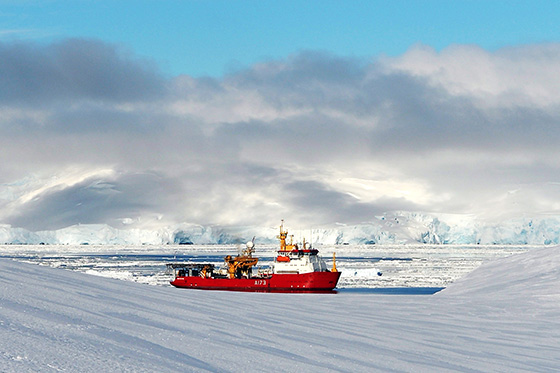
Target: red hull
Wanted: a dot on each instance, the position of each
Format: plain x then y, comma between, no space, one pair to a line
305,282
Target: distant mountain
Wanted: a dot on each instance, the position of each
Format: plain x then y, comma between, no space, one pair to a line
390,228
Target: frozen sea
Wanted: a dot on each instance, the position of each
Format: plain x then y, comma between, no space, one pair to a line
401,269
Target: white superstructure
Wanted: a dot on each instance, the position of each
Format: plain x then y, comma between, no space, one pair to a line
292,259
299,261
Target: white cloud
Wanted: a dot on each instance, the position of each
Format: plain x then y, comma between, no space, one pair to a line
312,138
524,76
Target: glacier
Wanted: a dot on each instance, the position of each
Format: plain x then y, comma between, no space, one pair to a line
389,228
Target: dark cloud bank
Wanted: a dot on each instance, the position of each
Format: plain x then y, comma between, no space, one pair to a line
93,134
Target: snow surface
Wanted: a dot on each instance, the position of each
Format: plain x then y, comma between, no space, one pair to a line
391,228
504,316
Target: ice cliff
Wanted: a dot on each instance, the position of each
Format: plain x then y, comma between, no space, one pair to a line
390,228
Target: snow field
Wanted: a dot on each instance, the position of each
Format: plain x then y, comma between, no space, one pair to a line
502,317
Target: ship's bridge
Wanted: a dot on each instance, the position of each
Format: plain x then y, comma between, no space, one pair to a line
299,261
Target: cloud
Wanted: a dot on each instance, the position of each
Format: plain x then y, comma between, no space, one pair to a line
104,197
516,76
313,138
73,69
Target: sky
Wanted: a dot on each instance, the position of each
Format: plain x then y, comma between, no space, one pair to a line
147,114
200,38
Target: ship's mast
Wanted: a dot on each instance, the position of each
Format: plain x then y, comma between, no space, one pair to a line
282,237
334,263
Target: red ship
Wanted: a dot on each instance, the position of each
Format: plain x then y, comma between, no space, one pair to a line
295,269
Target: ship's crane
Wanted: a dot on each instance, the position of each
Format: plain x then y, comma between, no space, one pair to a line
241,265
